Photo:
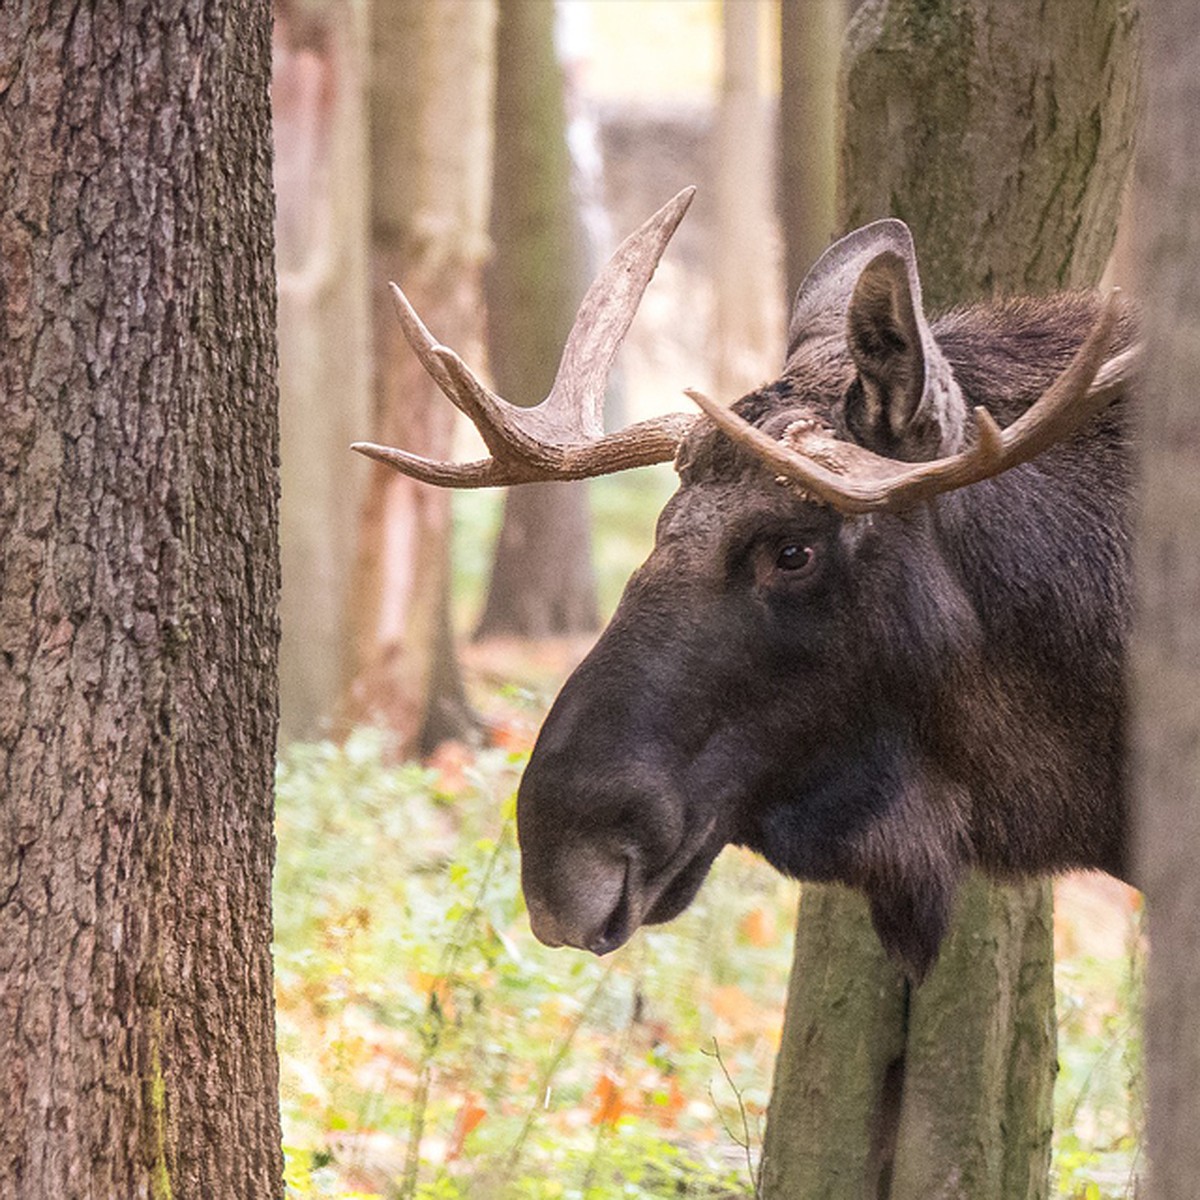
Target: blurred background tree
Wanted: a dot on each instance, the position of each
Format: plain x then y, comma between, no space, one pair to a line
746,343
319,102
542,580
810,39
430,185
1166,660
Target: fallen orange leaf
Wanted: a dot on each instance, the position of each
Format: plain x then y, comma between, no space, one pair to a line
758,927
667,1108
731,1003
469,1116
511,736
450,759
612,1102
434,987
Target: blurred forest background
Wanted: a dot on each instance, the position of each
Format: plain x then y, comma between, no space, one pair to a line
488,156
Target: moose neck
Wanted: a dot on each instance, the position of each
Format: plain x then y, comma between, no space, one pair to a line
1036,721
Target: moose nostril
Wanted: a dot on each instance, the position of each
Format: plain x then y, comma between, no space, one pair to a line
615,931
604,943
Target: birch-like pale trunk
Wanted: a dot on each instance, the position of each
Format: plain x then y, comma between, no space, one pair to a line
1166,659
319,103
746,342
430,159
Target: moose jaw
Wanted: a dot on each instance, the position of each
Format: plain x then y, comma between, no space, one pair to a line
880,638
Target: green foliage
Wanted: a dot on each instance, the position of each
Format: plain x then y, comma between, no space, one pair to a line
431,1048
624,508
1099,1104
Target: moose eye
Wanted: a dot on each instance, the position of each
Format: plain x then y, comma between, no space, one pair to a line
783,563
795,557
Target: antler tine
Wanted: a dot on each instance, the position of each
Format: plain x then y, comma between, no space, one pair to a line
458,383
482,473
425,346
577,398
639,445
854,480
562,437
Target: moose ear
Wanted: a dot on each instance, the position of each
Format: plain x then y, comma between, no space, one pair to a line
824,297
905,402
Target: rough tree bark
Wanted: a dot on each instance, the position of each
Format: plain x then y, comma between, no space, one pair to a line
1166,661
1002,134
138,588
542,581
318,96
431,156
745,340
810,36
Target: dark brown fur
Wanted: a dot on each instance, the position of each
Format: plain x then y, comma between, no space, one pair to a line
944,692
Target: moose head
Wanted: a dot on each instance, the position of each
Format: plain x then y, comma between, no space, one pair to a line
880,636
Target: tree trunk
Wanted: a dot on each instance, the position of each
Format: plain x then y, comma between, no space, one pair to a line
431,165
1166,660
542,580
745,340
810,37
980,124
319,100
138,588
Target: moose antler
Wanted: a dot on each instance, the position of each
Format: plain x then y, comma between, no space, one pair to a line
563,436
852,479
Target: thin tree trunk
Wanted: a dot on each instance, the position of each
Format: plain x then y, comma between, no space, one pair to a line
745,341
542,580
138,589
1166,661
431,165
1002,134
319,102
810,38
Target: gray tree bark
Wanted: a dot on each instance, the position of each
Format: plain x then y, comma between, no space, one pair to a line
138,587
431,155
319,105
542,582
1166,660
1002,133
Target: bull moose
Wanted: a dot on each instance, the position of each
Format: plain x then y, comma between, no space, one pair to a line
880,638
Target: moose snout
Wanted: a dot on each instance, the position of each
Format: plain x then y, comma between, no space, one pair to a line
599,814
580,898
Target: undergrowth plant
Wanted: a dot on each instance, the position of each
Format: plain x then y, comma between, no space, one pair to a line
432,1048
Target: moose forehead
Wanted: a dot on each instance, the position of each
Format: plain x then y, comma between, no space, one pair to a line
814,384
718,512
725,490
